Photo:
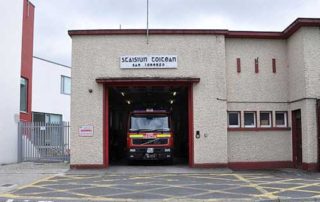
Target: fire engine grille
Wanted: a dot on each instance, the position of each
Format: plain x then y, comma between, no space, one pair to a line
149,141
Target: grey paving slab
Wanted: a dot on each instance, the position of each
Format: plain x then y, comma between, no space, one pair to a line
157,183
272,189
30,190
210,186
141,187
55,194
179,191
99,191
137,196
64,186
245,190
218,196
279,185
296,194
312,188
27,172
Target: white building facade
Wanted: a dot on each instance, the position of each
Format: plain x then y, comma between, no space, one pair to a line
251,96
15,38
51,91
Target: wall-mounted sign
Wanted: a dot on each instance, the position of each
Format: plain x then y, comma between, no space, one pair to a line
148,61
86,131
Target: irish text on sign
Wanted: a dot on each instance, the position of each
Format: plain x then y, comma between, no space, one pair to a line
148,61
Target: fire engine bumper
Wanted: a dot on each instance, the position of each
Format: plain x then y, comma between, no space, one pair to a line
150,154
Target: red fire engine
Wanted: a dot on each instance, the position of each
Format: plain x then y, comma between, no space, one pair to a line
150,135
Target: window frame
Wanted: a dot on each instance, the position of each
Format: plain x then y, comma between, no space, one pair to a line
45,115
62,85
270,119
285,119
27,95
239,119
254,119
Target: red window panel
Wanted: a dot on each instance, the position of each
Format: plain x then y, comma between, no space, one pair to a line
274,65
238,65
256,65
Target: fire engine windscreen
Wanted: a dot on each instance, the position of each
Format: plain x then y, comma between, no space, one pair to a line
150,123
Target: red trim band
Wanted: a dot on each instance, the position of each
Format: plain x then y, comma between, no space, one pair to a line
260,165
105,138
310,166
108,82
231,165
190,126
87,166
210,165
259,129
292,28
151,31
147,80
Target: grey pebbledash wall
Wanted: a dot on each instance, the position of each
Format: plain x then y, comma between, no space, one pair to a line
198,56
212,58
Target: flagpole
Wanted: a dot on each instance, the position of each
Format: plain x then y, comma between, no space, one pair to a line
147,21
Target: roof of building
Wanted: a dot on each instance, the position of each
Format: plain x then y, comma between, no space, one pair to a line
49,61
292,28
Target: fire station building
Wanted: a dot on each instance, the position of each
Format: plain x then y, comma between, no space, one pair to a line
238,99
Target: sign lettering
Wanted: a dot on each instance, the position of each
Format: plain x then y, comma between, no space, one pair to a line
86,131
148,61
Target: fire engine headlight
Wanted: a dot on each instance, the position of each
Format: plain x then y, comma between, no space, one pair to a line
167,150
132,150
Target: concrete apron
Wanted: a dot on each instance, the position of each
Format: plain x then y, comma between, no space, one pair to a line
55,182
16,175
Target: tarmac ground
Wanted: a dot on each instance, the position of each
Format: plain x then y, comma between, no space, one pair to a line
54,182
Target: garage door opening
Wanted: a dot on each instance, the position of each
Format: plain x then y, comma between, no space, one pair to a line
125,100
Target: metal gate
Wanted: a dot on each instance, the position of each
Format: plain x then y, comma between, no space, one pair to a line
46,142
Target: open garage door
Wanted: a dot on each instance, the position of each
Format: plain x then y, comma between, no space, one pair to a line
154,111
125,96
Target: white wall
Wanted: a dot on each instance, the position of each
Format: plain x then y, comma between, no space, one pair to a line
10,57
46,89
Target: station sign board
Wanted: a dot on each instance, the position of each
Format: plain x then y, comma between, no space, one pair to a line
148,61
86,131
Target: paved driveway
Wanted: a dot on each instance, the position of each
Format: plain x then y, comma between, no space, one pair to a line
253,185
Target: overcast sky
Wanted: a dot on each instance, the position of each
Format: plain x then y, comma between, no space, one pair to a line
53,18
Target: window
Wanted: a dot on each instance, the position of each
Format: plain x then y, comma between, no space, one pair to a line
274,65
65,85
249,119
265,119
234,119
238,65
23,95
281,119
47,118
149,123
